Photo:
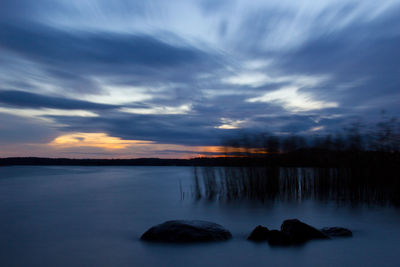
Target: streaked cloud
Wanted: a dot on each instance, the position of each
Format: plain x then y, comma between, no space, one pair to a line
250,79
183,109
230,124
183,75
46,112
32,100
293,100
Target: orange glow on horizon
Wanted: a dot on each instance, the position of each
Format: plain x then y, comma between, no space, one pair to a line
100,140
142,148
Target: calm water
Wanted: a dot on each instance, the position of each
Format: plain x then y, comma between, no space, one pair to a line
94,216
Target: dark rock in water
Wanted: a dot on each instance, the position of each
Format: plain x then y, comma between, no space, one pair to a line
181,231
260,233
300,232
279,238
295,232
336,232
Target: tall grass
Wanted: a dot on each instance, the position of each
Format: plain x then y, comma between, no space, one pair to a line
353,185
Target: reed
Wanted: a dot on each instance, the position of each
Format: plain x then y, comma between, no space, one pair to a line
351,185
354,166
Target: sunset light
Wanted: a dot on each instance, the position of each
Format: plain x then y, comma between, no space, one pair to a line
101,140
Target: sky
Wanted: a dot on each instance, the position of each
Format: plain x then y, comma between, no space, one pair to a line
172,79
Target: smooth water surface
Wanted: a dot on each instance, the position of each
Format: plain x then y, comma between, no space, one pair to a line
94,216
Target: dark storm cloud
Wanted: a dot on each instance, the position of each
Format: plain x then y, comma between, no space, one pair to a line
292,124
15,129
71,59
31,100
234,107
199,128
173,129
52,46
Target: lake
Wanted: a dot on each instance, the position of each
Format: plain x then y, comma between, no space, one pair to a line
94,216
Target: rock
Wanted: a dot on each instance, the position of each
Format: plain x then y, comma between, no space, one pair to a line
279,238
182,231
300,232
260,233
336,232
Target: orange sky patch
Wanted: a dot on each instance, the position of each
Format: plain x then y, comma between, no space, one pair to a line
142,148
100,140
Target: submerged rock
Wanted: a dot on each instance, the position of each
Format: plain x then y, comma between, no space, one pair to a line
182,231
336,232
300,232
260,233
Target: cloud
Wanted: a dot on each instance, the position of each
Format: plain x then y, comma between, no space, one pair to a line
183,109
362,59
50,45
183,129
24,131
87,62
291,99
230,124
43,113
193,73
31,100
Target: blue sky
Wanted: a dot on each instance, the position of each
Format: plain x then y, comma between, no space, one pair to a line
173,78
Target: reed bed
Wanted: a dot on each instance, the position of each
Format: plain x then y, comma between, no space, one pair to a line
370,185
